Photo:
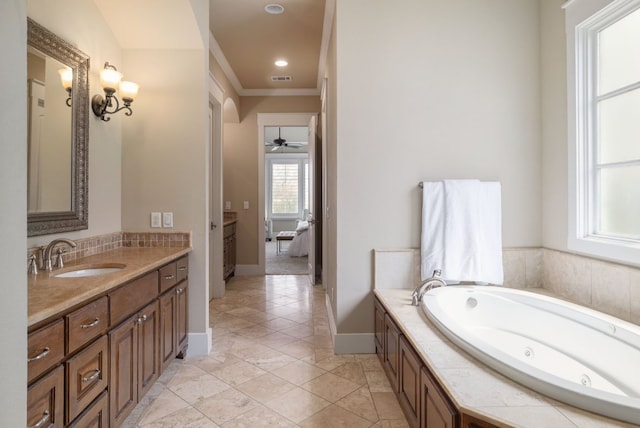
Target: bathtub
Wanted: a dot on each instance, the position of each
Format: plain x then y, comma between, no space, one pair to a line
568,352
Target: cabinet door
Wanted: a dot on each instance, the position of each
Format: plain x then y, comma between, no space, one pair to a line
391,350
86,377
409,382
148,347
182,317
45,401
168,327
378,311
87,323
435,409
123,376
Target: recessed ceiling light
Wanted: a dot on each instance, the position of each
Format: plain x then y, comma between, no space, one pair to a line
274,9
281,63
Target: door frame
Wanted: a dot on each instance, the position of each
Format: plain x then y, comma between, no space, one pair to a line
271,119
215,257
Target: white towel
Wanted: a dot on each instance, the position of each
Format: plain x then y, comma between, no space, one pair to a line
462,231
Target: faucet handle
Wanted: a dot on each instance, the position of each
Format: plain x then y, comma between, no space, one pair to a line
437,273
33,265
59,252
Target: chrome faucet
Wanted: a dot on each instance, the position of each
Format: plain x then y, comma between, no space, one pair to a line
46,255
434,282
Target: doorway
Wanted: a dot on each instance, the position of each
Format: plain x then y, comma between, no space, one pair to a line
276,154
286,200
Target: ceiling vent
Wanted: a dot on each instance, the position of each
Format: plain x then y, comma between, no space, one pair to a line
281,78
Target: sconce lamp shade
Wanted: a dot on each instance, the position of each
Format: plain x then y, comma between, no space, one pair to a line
110,79
128,91
66,77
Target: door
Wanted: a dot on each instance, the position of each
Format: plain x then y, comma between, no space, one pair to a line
216,281
311,183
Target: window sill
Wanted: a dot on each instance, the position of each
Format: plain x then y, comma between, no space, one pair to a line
621,251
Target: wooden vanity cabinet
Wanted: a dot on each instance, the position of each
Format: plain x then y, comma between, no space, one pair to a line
135,360
229,250
96,415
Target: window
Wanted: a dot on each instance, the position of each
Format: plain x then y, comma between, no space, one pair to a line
287,186
604,57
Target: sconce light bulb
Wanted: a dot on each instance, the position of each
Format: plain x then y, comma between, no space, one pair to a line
128,91
109,79
66,77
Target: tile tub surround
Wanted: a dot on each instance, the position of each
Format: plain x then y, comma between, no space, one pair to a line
98,244
604,286
272,364
475,388
49,296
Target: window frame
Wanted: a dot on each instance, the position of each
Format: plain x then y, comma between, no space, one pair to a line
583,22
301,159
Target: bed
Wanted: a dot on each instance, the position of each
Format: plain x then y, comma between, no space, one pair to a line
299,246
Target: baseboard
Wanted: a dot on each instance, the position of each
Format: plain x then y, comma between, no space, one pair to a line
348,343
249,270
199,343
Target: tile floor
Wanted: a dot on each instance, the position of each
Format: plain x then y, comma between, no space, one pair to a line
272,364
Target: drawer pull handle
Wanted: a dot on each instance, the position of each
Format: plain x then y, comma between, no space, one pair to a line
182,268
168,277
43,420
142,319
91,378
179,290
93,324
40,356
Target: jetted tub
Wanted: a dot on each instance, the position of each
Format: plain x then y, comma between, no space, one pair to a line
571,353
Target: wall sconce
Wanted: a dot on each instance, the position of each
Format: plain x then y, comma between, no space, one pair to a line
110,80
66,78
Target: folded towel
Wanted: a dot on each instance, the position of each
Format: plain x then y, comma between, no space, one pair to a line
462,231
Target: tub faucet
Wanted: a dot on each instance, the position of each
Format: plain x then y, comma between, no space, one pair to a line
434,282
46,255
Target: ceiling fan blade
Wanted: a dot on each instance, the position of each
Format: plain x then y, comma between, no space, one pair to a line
275,148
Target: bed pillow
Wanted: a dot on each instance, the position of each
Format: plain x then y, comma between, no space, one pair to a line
302,226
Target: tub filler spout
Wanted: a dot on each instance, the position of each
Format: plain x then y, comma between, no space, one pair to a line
434,282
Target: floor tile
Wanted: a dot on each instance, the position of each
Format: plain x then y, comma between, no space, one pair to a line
271,364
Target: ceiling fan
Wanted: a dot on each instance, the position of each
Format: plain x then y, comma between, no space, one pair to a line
280,142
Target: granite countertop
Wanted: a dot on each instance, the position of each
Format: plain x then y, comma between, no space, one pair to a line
475,388
49,296
227,222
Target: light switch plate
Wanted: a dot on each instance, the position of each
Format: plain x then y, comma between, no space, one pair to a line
167,219
245,205
227,205
156,220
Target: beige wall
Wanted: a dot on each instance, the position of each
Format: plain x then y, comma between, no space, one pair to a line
435,90
241,165
13,226
82,25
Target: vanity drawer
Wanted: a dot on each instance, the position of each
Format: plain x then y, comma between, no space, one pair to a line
168,276
45,401
45,349
96,416
86,323
183,268
133,296
86,377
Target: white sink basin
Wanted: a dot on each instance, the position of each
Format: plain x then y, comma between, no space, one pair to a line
90,270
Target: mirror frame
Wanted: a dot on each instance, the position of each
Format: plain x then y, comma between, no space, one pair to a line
77,218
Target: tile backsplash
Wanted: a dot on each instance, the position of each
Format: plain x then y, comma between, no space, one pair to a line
607,287
111,241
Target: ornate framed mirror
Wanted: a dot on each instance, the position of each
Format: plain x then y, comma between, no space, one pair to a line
58,136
